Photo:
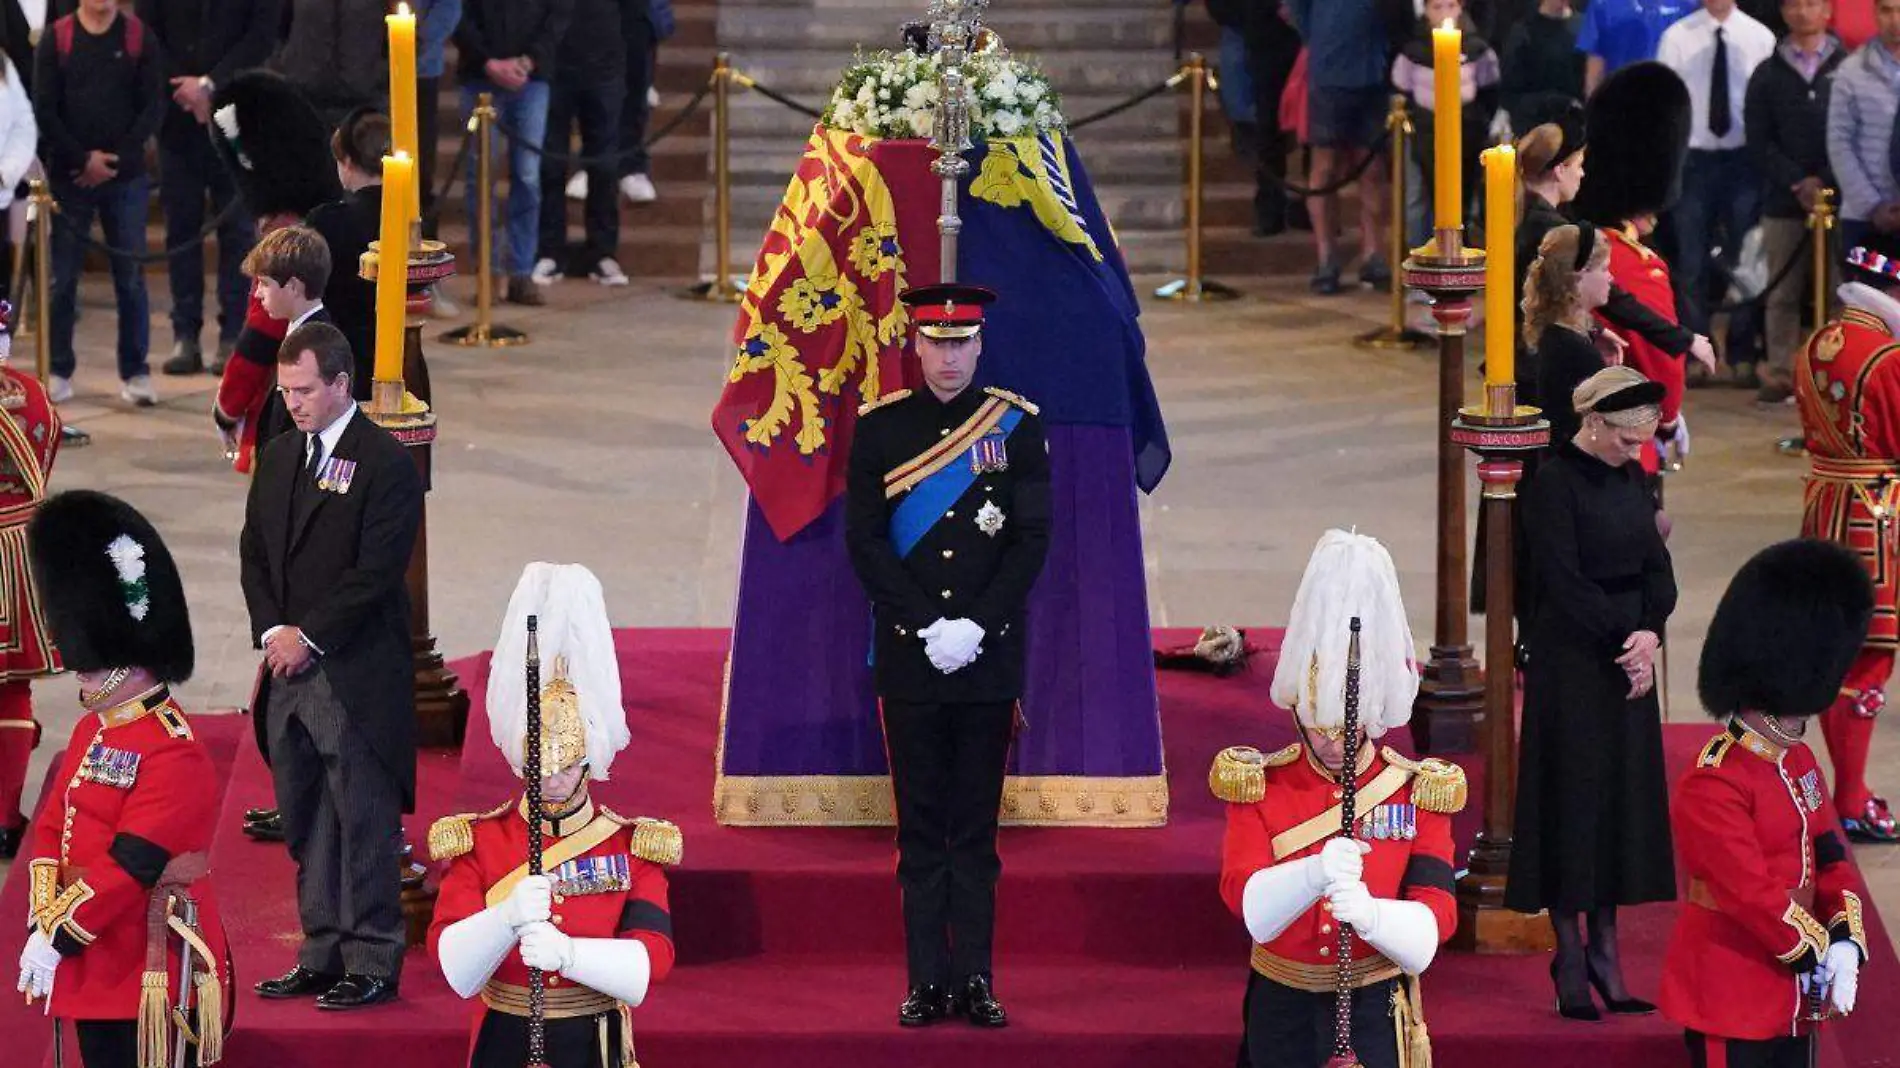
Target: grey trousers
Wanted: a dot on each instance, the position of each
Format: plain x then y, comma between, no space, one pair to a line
343,822
1781,239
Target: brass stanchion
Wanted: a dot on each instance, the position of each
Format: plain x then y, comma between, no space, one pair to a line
484,333
1821,221
40,211
722,288
1396,335
1194,288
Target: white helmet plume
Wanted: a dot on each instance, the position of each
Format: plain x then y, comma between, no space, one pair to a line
1348,575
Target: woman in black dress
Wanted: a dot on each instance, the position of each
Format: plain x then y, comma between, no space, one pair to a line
1568,279
1592,829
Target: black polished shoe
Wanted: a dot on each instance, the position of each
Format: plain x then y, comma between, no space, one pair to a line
357,992
266,830
977,1002
1574,1005
298,982
1618,1006
11,839
186,358
258,815
925,1006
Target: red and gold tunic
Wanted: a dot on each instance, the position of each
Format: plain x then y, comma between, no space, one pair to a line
1641,273
1847,387
138,800
609,882
1404,811
1770,888
249,378
29,440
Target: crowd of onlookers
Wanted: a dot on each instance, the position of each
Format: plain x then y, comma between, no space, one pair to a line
108,98
1789,97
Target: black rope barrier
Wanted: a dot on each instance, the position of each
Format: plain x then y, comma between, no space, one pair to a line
1373,154
196,241
780,98
1113,110
434,214
1801,252
575,159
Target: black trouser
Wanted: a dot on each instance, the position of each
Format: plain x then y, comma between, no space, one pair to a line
115,1044
947,772
428,128
1706,1051
189,173
634,111
574,1042
593,103
1272,50
1288,1028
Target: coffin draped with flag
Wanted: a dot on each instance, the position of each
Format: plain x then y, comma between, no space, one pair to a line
821,331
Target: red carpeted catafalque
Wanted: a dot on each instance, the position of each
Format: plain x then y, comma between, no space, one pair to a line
1113,948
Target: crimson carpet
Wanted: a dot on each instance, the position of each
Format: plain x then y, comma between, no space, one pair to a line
1112,945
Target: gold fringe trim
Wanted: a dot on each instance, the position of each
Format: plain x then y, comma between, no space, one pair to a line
154,1022
210,1019
1437,785
1238,776
1408,1010
866,801
658,841
452,836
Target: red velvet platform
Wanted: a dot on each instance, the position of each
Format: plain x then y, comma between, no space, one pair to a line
1113,947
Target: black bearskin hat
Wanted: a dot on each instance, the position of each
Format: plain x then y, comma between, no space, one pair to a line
1787,630
109,587
1638,122
275,143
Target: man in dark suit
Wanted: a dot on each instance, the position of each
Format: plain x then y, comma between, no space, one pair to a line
328,531
205,44
947,523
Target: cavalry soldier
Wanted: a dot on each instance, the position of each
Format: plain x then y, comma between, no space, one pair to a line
124,938
947,523
597,923
1287,870
1846,386
28,442
1771,940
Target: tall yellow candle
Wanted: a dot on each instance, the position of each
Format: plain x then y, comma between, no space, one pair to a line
1500,268
402,89
1448,106
392,266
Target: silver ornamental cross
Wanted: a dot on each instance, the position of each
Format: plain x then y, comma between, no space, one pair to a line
953,30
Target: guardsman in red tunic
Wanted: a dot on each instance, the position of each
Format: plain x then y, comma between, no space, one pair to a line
1770,940
125,939
1847,388
28,442
597,923
1643,274
1286,869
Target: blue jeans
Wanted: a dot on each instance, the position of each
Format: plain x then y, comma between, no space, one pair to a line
188,171
121,207
526,114
1721,201
1236,80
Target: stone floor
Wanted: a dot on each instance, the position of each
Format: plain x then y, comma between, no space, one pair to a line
591,444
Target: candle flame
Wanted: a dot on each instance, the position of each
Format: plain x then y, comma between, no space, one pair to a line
403,9
1448,25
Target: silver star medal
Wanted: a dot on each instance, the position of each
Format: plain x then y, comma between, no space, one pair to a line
989,518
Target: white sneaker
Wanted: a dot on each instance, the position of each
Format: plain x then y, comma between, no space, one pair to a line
59,390
653,97
546,272
443,306
638,189
577,186
608,273
138,391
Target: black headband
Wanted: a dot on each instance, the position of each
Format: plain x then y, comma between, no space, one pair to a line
1586,244
1635,395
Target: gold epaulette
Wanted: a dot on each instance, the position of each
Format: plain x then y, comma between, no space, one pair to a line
1712,753
1014,398
454,836
654,841
1238,776
889,398
1437,785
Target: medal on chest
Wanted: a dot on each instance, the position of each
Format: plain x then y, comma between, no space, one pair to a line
1811,790
989,454
335,474
594,875
989,518
117,768
1392,823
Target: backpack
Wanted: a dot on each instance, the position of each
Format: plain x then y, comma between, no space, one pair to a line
134,36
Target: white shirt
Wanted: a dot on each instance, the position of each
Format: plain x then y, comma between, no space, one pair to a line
1688,48
324,441
304,318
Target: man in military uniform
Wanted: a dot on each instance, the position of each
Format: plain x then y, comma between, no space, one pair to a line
1752,967
947,523
120,902
597,923
1847,388
1288,870
29,439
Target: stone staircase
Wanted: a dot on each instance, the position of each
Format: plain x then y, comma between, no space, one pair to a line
1097,54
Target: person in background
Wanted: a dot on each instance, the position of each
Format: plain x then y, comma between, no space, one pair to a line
1616,33
642,37
509,48
348,226
1273,47
1860,118
1786,120
588,90
337,52
436,22
1567,283
99,95
205,43
1346,66
1477,83
1236,76
25,654
1541,67
19,143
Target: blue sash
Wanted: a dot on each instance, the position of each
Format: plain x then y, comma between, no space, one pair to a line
930,498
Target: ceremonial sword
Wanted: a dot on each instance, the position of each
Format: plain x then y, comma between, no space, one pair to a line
1343,1056
531,768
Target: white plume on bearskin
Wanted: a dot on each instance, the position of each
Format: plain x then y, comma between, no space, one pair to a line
1348,575
572,621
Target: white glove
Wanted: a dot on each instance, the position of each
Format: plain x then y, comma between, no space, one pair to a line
1341,860
1354,904
1274,897
960,640
1679,441
1405,931
933,647
617,967
38,961
543,946
1841,967
531,901
471,948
